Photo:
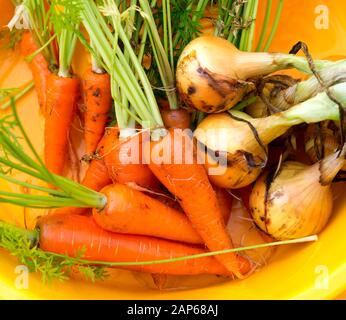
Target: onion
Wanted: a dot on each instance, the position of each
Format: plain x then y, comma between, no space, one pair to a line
297,201
304,90
329,143
258,109
296,92
222,134
212,74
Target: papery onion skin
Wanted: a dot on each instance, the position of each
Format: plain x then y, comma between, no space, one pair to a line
295,204
213,75
237,134
245,156
329,139
237,171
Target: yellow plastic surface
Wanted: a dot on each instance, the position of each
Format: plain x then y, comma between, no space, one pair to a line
308,271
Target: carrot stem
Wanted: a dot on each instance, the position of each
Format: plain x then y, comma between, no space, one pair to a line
74,193
251,30
30,235
33,236
264,25
39,50
275,25
161,53
202,255
19,95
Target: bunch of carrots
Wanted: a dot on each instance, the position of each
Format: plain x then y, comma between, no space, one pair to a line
150,215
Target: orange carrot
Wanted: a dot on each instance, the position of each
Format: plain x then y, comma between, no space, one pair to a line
38,66
112,149
131,211
174,118
166,198
98,102
225,200
190,184
96,178
62,97
66,234
179,118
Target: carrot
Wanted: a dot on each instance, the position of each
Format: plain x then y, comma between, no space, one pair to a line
112,149
190,184
225,200
38,66
98,102
96,178
62,97
174,118
166,198
67,234
131,211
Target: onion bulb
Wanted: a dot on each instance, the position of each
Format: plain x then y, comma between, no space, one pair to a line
212,74
234,158
329,140
297,200
306,89
258,109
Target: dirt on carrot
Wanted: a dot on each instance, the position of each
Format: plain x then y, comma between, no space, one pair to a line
133,212
39,68
68,234
97,104
123,159
189,182
62,98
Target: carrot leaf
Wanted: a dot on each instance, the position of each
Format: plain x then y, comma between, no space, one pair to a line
13,156
22,244
15,93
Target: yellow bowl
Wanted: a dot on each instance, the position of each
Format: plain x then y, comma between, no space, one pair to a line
308,271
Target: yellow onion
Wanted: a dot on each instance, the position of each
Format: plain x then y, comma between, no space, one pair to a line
212,74
223,135
227,144
258,109
329,139
297,200
295,92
